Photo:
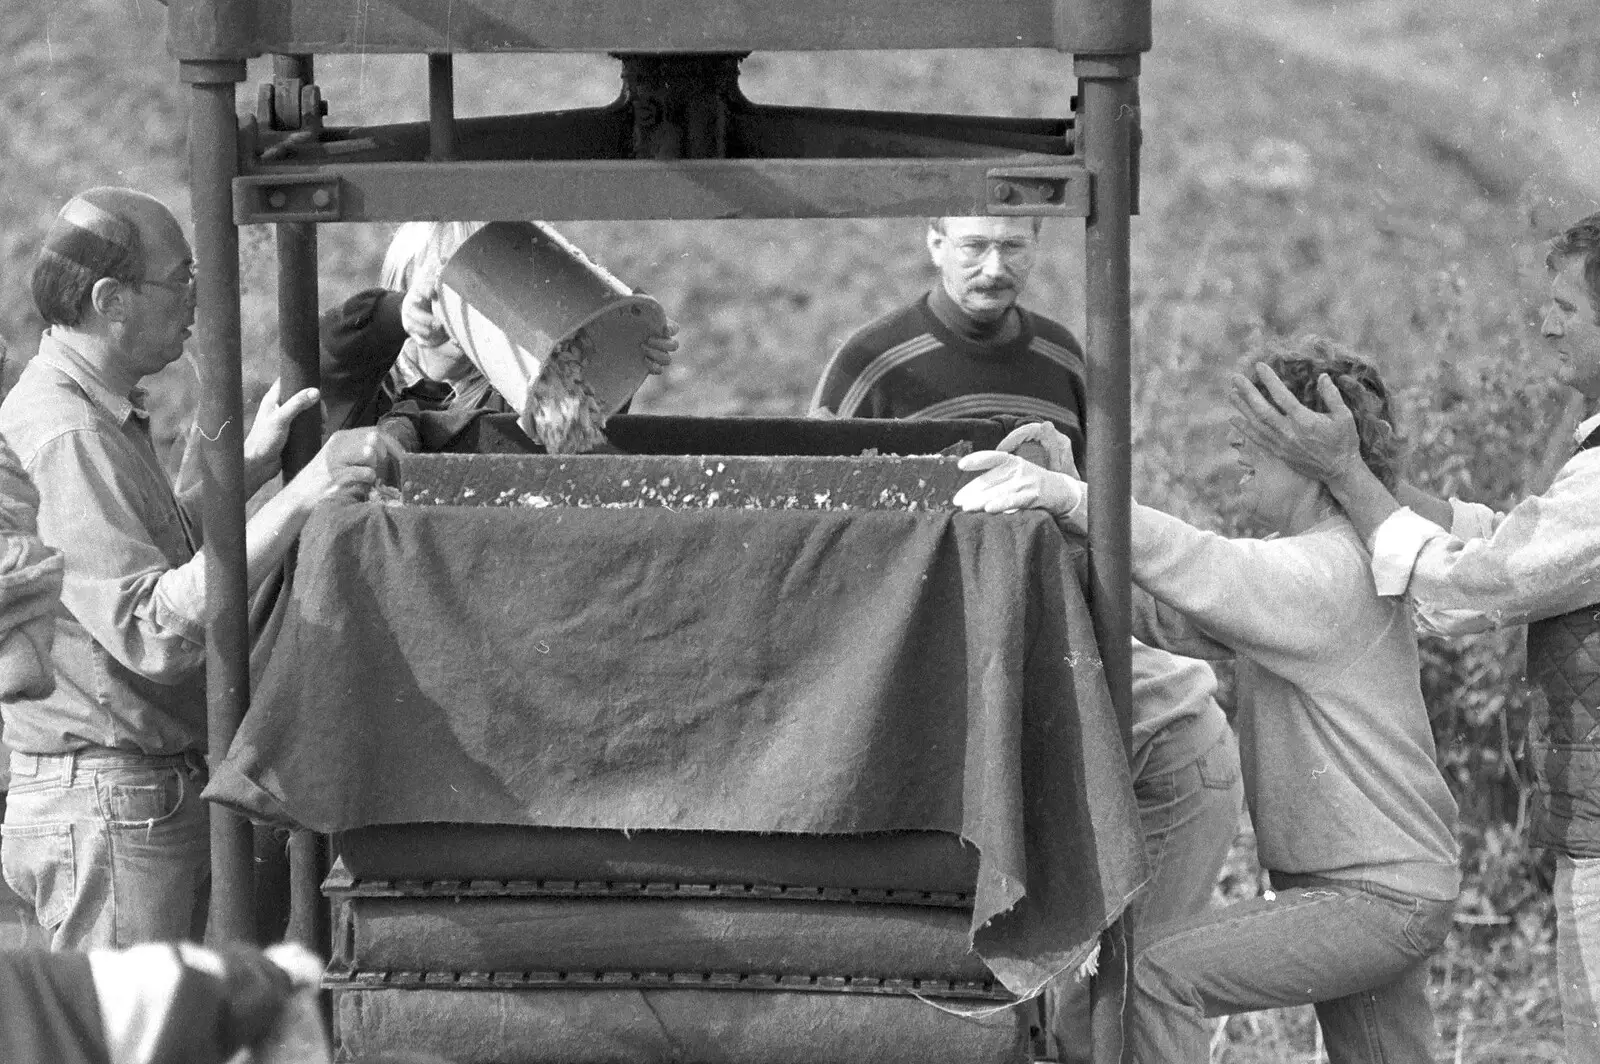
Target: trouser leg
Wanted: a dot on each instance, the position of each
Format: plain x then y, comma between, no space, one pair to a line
109,854
1189,818
1306,944
1577,896
1392,1022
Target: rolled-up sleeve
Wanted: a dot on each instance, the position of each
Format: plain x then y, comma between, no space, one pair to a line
1541,559
146,611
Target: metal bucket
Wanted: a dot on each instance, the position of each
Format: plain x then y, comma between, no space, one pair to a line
516,290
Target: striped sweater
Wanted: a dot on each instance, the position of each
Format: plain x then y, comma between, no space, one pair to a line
929,360
918,362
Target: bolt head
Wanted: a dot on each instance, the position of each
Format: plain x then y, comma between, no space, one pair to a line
1002,192
277,200
321,198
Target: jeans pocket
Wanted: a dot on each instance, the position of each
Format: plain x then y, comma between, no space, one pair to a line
38,863
1219,766
138,798
1429,924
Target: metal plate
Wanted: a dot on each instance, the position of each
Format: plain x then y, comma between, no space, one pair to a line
646,189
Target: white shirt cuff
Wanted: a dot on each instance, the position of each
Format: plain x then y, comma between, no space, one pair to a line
1395,546
1471,520
1077,518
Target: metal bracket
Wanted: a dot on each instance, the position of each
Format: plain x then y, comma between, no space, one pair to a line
1043,190
289,104
289,198
344,979
682,104
346,886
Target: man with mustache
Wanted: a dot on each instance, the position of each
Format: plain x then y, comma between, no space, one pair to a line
967,350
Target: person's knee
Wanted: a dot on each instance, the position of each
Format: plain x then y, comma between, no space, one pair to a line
1157,981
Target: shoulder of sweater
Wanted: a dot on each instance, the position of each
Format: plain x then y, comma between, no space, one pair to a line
1343,566
1052,330
880,334
1334,538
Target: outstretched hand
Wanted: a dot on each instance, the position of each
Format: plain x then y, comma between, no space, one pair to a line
1008,483
263,444
1320,446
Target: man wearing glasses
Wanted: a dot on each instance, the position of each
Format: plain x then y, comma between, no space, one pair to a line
966,349
104,833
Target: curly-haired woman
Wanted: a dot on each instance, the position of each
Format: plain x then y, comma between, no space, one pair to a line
1353,820
1466,568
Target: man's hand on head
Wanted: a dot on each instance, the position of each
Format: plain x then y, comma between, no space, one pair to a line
1321,446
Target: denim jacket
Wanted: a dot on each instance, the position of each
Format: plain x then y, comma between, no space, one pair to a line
130,637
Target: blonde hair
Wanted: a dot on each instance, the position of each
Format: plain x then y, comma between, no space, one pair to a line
419,244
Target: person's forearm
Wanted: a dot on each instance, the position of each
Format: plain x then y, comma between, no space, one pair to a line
257,473
271,532
1365,500
1420,502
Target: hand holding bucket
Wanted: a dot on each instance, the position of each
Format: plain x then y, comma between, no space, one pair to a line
517,291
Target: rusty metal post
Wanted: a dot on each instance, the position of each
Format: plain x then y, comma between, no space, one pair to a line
298,345
298,350
1107,86
213,164
442,143
298,368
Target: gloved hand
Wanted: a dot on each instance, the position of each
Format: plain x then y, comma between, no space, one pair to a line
1009,483
1050,447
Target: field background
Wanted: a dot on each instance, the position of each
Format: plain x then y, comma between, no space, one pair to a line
1382,171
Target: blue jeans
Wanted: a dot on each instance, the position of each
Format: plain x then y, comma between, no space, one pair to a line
1189,817
1578,954
1356,950
109,848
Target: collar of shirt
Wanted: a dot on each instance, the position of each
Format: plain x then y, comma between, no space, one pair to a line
71,363
1586,428
1007,328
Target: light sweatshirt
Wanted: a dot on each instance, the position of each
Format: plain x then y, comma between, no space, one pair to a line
1338,758
1540,560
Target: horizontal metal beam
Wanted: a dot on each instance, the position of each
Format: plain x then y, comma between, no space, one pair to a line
753,132
212,29
643,189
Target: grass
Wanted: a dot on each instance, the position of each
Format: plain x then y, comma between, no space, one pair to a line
1285,187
